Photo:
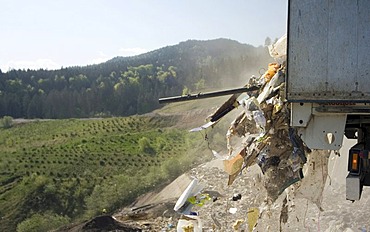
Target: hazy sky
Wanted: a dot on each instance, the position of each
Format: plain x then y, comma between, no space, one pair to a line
55,33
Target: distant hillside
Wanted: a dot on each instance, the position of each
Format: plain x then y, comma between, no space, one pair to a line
125,86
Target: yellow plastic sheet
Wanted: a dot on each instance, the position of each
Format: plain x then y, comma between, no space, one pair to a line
252,216
199,200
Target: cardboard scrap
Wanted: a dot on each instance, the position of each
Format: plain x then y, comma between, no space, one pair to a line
252,217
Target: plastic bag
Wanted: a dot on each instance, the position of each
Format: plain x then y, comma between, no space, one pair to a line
278,50
199,200
251,104
259,118
271,71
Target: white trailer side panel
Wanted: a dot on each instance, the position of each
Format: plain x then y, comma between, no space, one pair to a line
328,51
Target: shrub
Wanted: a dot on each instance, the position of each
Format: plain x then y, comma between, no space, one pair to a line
145,147
172,168
6,122
45,222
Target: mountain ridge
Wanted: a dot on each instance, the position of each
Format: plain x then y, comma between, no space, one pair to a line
126,86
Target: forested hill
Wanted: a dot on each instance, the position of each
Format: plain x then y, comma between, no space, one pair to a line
125,86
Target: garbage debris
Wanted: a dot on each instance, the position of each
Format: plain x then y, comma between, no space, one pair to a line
170,226
199,199
189,223
235,164
252,217
228,106
268,140
286,167
277,149
183,205
192,196
233,210
238,224
284,213
278,49
212,193
236,197
316,173
271,71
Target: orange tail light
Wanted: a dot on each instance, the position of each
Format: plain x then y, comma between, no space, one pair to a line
355,161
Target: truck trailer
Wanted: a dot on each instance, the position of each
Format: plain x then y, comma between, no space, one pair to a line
327,60
328,77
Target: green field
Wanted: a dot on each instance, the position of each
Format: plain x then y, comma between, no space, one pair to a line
62,171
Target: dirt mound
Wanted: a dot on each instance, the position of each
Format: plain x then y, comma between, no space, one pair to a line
101,224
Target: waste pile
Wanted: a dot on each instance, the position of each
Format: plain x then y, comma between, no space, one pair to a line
276,148
267,140
266,165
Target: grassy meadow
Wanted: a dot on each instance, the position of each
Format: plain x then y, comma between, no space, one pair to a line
61,171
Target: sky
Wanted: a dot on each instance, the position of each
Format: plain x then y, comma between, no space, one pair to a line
51,34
